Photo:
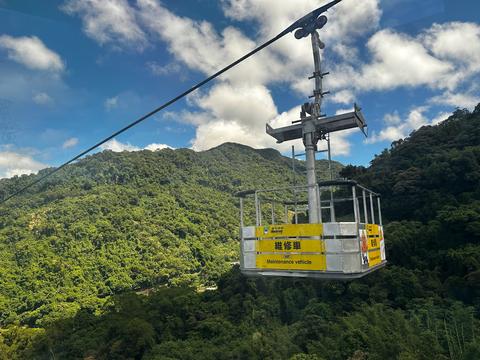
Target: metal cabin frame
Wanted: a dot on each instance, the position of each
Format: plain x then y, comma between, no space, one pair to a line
346,242
323,238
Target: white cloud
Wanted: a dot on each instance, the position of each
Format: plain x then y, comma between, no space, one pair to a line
200,47
253,107
399,130
347,21
340,144
32,53
466,100
237,108
399,60
108,22
117,146
155,147
229,114
213,131
42,99
351,17
456,41
440,57
342,97
253,104
217,132
392,119
12,164
69,143
111,103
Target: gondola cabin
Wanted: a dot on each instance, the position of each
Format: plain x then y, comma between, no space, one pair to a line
331,229
345,243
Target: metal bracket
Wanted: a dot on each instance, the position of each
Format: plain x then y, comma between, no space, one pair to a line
319,93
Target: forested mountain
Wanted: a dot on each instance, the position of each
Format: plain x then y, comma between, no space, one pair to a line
74,248
122,221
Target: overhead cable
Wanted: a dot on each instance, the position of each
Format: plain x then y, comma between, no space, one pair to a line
301,23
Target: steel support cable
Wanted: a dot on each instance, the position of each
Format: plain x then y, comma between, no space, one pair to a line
297,24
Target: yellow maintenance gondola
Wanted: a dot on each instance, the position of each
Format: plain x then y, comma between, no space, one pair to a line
345,243
329,229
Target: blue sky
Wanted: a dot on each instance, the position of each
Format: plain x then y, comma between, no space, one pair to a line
73,71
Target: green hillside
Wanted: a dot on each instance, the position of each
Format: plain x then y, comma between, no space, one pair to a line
430,184
74,248
122,221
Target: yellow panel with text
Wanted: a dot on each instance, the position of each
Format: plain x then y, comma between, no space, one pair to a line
291,262
289,230
372,229
301,245
373,243
374,258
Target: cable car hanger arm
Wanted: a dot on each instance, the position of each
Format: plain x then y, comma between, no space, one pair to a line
310,22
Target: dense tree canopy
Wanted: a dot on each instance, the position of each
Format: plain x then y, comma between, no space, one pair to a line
122,221
164,224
